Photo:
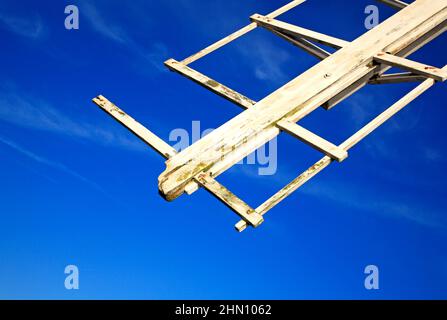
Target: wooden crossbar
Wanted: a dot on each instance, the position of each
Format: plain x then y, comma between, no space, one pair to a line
348,144
287,28
304,44
209,83
250,216
415,67
313,140
239,33
151,139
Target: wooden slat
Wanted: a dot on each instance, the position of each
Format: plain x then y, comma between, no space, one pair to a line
413,66
209,83
144,134
313,140
396,4
238,33
348,144
304,44
397,78
429,36
135,127
287,28
248,214
301,96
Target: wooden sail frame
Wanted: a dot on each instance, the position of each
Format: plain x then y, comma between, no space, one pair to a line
338,75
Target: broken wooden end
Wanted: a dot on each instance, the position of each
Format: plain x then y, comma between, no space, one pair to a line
241,226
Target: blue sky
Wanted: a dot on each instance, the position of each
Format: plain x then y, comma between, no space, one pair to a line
77,188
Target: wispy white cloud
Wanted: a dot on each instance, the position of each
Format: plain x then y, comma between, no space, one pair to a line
36,114
29,27
363,107
49,163
107,29
271,61
155,55
360,108
367,201
432,154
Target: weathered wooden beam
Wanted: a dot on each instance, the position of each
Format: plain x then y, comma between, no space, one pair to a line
135,127
287,28
301,96
209,83
439,27
239,33
346,145
304,44
144,134
413,66
248,214
396,4
397,78
313,140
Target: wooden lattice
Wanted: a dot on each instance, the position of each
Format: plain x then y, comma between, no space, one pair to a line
338,75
